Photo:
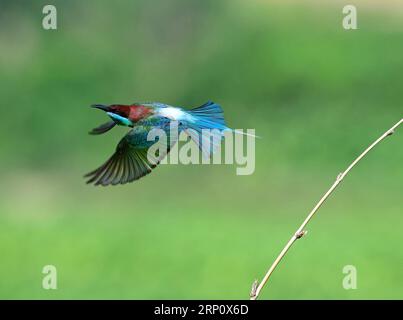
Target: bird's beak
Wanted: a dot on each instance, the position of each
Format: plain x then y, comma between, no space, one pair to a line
101,107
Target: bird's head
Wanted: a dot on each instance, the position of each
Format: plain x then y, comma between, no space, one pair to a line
118,113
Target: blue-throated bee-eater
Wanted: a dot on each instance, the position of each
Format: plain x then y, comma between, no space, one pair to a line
130,161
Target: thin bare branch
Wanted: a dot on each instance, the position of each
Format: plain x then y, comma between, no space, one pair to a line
257,287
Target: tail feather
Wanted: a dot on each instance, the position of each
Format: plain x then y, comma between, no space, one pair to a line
245,133
208,116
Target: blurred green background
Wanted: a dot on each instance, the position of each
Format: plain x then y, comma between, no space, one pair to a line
315,93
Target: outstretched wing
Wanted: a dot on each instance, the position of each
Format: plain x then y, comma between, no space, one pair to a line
127,164
103,128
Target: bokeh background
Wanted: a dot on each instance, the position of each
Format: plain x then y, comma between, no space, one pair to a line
316,94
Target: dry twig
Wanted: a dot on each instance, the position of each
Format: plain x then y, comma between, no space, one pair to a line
257,287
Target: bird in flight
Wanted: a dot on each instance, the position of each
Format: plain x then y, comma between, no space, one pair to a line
130,160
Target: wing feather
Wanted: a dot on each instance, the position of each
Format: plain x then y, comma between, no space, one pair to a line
127,164
103,128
